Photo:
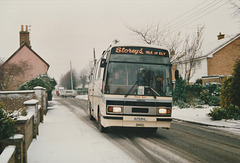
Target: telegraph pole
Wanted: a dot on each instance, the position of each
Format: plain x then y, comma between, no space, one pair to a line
71,75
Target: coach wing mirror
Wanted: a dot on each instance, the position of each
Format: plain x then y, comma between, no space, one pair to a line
103,63
176,74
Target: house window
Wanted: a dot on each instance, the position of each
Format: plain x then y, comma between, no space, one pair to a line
198,64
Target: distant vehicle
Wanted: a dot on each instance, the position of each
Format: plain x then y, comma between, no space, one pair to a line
60,91
131,86
68,93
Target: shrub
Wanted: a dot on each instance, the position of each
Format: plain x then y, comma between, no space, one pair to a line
198,81
217,113
213,101
230,112
203,94
194,90
181,104
7,127
192,101
43,81
179,92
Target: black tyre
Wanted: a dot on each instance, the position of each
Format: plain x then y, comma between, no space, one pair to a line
90,112
152,130
100,127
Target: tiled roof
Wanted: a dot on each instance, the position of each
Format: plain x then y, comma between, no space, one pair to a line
25,44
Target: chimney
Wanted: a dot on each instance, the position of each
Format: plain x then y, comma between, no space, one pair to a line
221,36
24,35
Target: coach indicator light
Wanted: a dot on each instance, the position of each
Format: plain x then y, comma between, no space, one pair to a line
164,111
115,109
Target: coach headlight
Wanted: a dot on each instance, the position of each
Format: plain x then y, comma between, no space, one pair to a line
164,110
115,109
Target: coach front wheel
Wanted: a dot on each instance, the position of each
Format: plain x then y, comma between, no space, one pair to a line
100,127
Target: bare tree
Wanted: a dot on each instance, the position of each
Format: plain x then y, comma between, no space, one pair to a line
11,72
181,50
65,80
85,73
191,49
174,47
83,77
236,6
151,34
159,35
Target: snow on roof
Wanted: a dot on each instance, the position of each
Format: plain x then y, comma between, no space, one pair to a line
209,48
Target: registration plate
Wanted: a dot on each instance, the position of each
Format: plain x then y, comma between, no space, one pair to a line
142,119
139,119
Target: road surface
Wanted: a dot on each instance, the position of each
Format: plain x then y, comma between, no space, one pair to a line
184,142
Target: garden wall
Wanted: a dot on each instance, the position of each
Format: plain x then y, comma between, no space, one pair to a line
13,100
8,155
27,126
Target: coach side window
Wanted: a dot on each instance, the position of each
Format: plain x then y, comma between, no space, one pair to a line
95,71
99,71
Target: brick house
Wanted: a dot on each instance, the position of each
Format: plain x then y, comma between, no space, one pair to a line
217,60
26,56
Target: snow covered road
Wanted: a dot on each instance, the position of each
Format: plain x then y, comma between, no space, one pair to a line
67,135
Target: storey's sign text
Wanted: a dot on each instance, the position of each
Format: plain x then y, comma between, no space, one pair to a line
140,51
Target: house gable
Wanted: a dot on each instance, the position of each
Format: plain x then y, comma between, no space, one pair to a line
35,65
24,46
222,60
218,59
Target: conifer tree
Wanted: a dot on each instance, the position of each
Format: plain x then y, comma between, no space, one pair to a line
179,92
225,95
235,85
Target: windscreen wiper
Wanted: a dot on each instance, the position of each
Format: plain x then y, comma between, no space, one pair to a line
131,88
154,91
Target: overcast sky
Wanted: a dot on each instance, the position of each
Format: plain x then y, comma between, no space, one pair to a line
68,30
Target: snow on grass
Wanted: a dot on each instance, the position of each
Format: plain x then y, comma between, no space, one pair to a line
201,115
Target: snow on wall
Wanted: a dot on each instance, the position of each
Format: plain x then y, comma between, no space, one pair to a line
8,154
14,100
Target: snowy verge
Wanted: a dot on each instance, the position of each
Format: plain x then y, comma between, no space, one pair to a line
201,116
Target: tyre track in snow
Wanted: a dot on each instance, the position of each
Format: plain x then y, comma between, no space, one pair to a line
184,142
126,139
